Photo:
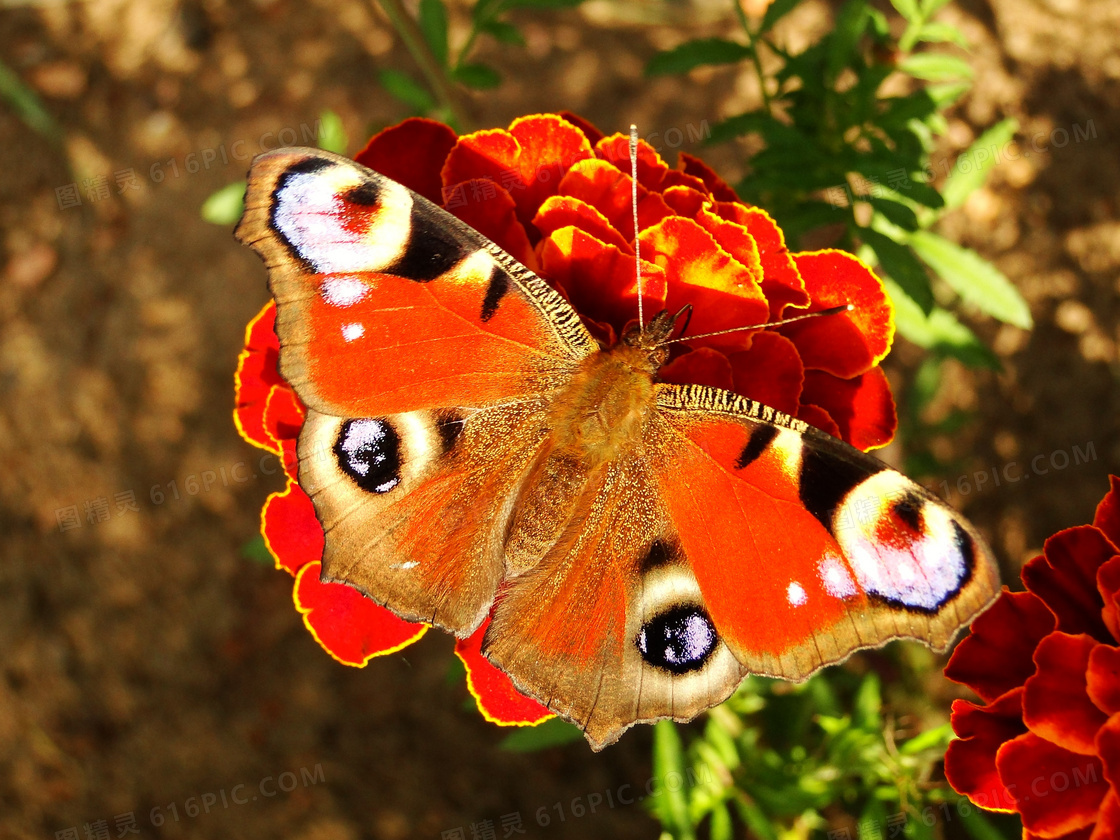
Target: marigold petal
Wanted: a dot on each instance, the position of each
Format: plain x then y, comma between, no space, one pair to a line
677,178
998,653
1058,791
863,406
411,153
686,201
737,241
1108,584
1056,705
1108,748
701,366
722,290
1064,576
497,698
1108,512
560,211
598,279
720,190
849,343
970,761
1108,819
616,150
605,188
494,214
1103,678
590,130
781,281
257,373
549,147
291,531
816,416
283,418
350,627
769,371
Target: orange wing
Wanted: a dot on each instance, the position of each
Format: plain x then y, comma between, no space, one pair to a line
806,549
388,304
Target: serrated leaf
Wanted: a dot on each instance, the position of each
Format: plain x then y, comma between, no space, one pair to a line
505,33
974,163
409,91
895,212
553,732
936,32
670,805
478,76
940,332
935,67
698,53
332,134
972,277
899,262
225,206
433,24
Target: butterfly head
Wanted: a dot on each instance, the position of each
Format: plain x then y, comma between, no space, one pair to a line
654,337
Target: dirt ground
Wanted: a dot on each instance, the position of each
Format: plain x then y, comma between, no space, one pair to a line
148,668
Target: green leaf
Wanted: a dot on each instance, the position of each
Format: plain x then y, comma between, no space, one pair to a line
844,38
433,25
669,802
27,105
935,67
720,827
972,277
697,53
946,94
940,332
931,7
903,267
775,12
256,550
868,703
225,206
937,738
976,824
935,32
505,33
332,135
907,8
409,91
895,212
553,732
974,163
478,76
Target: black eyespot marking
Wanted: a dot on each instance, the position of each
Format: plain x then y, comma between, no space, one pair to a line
829,471
449,424
760,439
369,452
367,194
499,285
909,510
968,554
679,640
432,248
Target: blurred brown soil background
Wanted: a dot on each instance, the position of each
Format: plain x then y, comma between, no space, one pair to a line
143,660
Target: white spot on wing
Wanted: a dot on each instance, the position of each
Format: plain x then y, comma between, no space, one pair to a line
408,564
343,291
835,577
796,595
352,331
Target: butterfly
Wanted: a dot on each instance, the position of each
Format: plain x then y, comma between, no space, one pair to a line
639,547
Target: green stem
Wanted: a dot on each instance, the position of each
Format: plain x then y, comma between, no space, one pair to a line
752,42
429,65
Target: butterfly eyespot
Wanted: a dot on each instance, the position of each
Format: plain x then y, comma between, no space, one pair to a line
679,640
450,425
369,452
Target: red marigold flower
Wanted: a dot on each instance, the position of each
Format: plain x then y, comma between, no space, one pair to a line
1047,664
556,193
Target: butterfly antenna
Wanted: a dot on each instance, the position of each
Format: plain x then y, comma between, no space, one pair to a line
835,310
634,205
686,310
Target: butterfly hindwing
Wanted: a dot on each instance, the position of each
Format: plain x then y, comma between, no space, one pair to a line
387,304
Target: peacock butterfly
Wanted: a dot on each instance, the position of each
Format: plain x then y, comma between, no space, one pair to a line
639,546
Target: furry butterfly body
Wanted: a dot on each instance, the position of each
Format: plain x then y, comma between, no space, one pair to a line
639,547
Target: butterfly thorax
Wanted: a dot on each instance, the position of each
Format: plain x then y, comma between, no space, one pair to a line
596,420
